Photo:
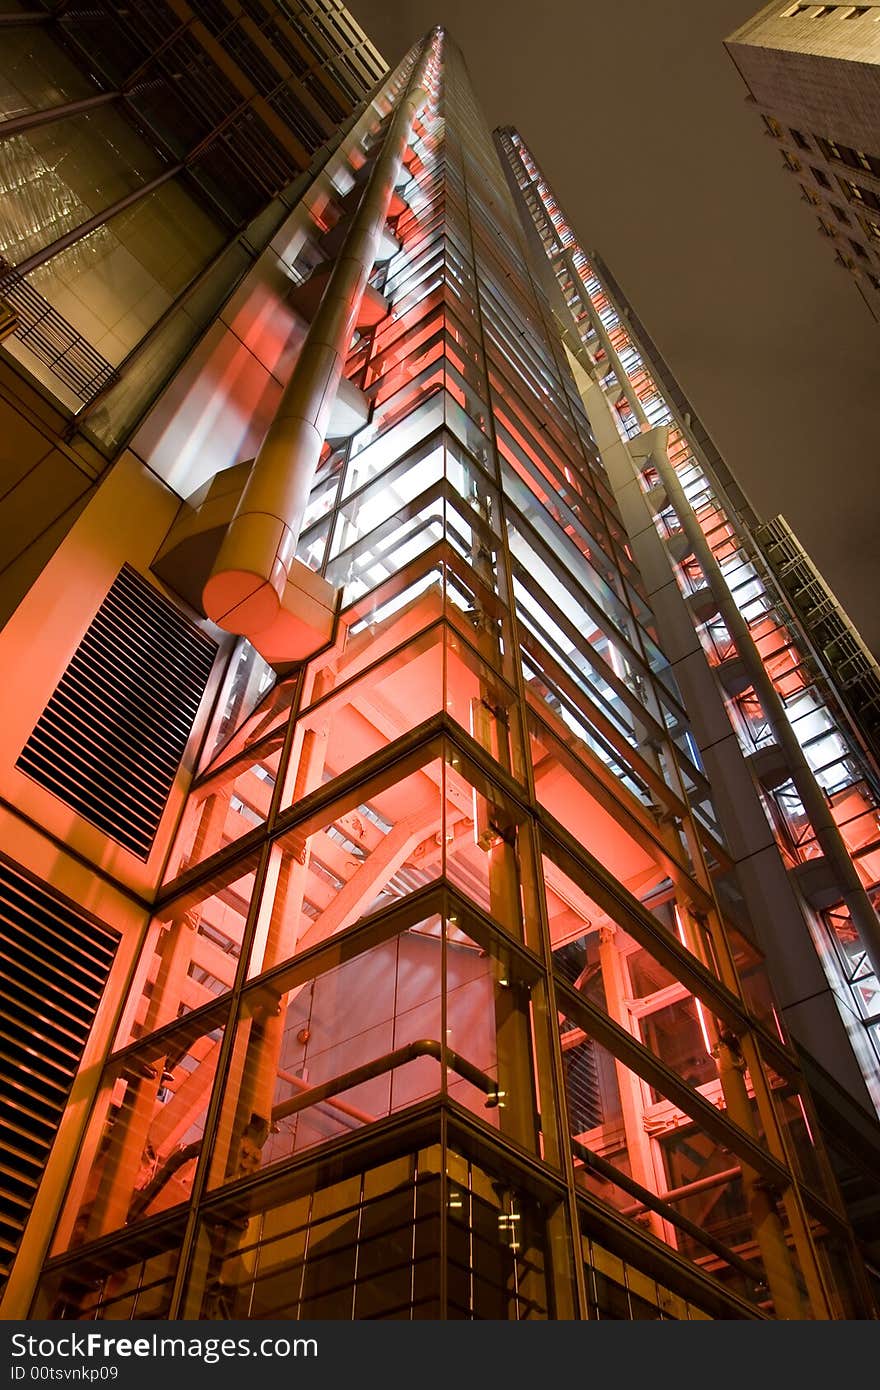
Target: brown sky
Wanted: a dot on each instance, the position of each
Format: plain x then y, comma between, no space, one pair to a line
637,116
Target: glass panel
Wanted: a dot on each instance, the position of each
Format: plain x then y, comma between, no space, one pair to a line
379,844
37,74
496,1023
482,704
802,1136
133,1279
114,283
229,803
362,717
249,705
57,176
838,1260
617,1290
417,681
191,953
365,1246
589,810
409,475
139,1156
396,538
487,850
318,1055
659,1166
395,444
498,1241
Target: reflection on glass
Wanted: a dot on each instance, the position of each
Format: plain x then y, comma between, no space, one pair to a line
364,1246
191,953
131,1279
316,1057
140,1155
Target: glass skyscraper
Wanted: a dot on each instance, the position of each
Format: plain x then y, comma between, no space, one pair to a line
799,688
432,989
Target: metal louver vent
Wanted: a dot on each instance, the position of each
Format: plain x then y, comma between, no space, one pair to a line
111,737
54,963
582,1088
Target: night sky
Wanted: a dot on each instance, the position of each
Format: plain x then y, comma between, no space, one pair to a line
638,119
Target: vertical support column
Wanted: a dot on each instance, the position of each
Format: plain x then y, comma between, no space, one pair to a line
828,835
638,1141
766,1222
782,931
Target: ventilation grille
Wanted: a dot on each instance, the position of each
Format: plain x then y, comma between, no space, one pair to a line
110,739
54,964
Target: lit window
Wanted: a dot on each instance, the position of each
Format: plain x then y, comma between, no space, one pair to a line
852,191
868,161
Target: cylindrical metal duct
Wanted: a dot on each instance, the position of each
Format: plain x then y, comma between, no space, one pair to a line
244,591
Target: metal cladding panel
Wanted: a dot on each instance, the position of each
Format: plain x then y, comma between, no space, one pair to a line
110,740
54,963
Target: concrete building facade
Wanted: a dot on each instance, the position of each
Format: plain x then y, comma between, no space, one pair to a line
814,73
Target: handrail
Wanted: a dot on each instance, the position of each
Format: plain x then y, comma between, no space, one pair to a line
425,1047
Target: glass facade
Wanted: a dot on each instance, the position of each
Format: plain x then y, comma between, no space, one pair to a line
438,1014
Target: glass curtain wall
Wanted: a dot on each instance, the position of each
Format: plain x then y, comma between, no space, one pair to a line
437,1014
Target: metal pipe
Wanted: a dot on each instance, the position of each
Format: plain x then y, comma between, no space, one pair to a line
26,17
647,1199
244,591
828,835
425,1047
689,1189
31,120
77,233
323,1094
350,1110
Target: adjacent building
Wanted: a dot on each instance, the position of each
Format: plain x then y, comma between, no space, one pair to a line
148,155
814,72
396,929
